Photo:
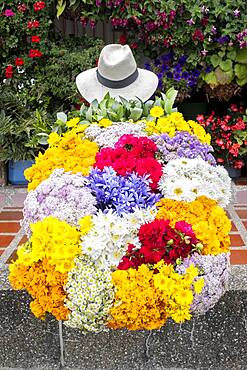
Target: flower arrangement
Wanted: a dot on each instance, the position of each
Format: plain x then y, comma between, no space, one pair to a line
229,136
124,253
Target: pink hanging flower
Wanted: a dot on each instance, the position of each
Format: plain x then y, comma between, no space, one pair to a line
9,13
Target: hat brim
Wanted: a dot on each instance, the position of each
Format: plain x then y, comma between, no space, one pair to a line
90,88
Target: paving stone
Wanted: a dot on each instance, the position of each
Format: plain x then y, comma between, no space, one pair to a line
216,340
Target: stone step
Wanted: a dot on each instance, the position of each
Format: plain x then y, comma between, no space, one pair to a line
215,341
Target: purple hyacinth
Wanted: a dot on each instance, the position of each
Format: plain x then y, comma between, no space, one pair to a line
121,193
215,270
183,144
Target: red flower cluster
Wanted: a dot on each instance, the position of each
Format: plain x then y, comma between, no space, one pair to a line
35,39
160,242
22,8
9,71
19,62
35,53
39,5
132,154
198,35
229,136
33,24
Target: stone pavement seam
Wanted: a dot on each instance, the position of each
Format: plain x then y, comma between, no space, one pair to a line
12,247
238,223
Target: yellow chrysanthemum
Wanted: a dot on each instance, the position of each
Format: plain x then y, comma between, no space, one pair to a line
53,139
69,151
198,285
73,122
105,122
86,224
156,111
175,122
52,239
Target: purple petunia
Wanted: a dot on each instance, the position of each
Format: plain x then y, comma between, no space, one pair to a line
183,144
121,193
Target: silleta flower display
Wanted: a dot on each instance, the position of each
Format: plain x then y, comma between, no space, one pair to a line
126,227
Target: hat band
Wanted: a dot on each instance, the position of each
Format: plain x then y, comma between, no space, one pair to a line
117,84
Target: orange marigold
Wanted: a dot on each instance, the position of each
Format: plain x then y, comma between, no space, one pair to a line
44,284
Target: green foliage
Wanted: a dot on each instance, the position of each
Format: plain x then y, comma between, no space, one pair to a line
229,65
119,111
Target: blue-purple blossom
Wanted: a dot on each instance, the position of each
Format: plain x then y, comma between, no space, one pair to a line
122,194
183,145
223,39
215,270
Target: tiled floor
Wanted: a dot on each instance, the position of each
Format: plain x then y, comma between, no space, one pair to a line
11,234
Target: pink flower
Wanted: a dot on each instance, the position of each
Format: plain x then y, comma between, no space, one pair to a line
9,13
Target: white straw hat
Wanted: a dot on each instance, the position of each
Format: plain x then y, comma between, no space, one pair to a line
117,73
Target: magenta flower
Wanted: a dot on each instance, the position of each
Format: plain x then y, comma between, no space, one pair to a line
236,13
190,22
214,30
9,13
204,52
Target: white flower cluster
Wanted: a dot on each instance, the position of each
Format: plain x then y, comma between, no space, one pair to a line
89,296
107,242
186,179
107,137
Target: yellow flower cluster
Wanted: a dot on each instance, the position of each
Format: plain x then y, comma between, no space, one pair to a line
176,289
68,151
145,300
209,221
176,122
44,284
52,239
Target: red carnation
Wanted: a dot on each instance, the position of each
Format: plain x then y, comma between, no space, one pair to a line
35,53
35,39
19,62
9,71
39,5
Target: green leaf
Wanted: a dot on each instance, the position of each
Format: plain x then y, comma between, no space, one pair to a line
226,65
62,117
240,70
242,56
215,60
242,82
60,7
232,55
136,113
89,114
210,79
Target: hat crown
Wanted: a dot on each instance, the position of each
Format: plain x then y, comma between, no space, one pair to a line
116,62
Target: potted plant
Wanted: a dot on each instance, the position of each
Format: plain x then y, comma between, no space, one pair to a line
20,143
229,138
